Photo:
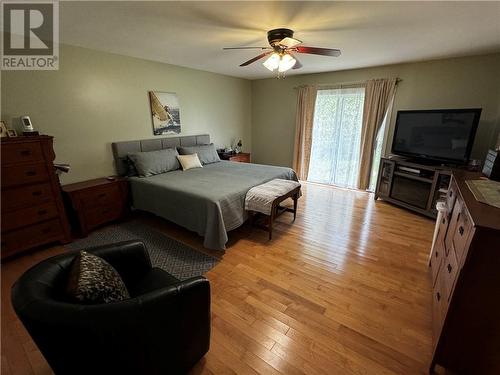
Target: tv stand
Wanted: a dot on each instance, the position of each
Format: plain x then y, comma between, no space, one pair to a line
412,185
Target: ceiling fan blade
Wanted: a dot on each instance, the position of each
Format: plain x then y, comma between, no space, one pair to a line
228,48
318,51
289,42
297,65
256,58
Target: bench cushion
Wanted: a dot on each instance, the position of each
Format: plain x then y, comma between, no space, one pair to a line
260,198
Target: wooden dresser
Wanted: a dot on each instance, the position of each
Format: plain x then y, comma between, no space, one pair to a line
465,268
96,202
32,208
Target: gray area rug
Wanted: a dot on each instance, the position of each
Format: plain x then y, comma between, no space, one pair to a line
178,259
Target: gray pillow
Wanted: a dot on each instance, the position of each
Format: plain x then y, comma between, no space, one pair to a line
206,153
155,162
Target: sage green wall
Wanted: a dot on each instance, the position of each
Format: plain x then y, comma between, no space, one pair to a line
97,98
452,83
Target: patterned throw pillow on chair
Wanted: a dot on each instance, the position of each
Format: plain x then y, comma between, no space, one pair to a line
92,280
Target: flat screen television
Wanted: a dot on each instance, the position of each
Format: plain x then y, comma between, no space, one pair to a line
440,135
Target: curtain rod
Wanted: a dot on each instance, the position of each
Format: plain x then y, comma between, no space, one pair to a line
341,85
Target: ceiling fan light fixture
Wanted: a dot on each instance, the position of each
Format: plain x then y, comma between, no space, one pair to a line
273,62
286,62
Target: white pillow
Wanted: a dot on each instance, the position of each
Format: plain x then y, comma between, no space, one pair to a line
189,161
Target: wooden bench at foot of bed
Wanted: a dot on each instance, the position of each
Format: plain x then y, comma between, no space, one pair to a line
265,199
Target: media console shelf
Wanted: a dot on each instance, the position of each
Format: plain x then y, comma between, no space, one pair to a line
414,186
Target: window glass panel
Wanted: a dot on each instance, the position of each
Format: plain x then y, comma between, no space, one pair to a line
336,137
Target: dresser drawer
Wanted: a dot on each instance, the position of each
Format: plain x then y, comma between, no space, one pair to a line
451,196
436,259
455,216
100,196
461,233
24,174
101,215
26,152
450,272
439,306
31,236
27,216
26,196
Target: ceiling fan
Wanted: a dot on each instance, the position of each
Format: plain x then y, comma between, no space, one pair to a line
281,52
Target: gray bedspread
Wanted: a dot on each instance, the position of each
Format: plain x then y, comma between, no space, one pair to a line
209,201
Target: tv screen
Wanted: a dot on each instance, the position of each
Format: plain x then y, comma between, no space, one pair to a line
440,134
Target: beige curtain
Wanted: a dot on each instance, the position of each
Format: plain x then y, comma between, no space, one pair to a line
306,100
378,95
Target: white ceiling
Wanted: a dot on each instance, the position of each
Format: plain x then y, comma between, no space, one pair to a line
192,34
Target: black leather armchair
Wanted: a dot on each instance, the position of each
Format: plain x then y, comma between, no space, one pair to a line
163,329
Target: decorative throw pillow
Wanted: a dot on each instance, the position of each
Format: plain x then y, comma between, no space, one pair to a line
206,153
92,280
155,162
189,161
131,171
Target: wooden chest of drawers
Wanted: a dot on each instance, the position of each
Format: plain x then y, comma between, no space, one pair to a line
96,202
32,208
465,268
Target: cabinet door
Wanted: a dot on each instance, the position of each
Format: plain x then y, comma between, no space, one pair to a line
384,182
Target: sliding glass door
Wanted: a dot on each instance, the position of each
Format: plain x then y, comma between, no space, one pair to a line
336,137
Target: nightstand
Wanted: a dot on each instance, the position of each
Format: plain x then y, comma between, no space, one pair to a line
242,157
96,202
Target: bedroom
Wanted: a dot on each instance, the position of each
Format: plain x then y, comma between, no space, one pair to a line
346,287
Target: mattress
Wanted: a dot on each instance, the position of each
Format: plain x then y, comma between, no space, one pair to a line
209,201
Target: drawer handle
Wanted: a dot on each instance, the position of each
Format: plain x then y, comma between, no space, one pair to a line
37,193
449,268
25,152
461,230
42,212
31,173
438,296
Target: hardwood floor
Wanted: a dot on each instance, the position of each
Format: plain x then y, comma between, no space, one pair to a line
343,290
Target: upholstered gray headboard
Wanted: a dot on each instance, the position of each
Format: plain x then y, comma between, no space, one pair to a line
122,149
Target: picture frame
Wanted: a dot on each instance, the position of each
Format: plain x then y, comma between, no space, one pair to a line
165,112
11,133
3,129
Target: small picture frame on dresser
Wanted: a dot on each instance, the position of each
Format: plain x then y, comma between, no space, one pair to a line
11,133
3,129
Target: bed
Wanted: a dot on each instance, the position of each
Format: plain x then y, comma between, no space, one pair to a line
209,201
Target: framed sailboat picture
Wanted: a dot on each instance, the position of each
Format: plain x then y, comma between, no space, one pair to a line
165,112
